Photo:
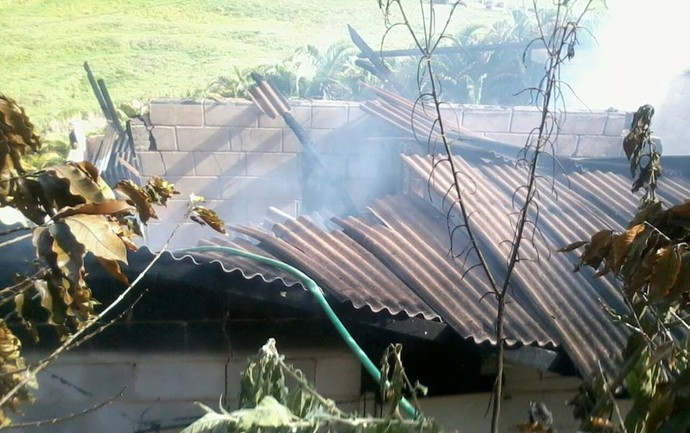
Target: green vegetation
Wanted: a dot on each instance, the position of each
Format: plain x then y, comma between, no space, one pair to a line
163,48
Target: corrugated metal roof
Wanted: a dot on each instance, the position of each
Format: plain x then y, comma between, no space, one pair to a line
570,209
396,256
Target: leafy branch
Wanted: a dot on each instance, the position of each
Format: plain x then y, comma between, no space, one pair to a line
267,403
651,262
559,37
74,213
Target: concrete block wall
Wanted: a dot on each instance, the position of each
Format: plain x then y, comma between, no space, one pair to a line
160,389
244,162
583,134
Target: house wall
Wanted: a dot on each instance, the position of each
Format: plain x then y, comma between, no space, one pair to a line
243,162
468,413
161,388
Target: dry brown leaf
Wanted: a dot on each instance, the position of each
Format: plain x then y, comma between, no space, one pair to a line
109,207
621,245
139,198
598,248
572,246
160,190
204,215
113,269
681,210
98,235
664,272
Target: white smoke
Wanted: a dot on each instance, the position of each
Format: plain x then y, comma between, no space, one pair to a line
642,47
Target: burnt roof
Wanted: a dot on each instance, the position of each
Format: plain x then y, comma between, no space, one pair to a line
396,256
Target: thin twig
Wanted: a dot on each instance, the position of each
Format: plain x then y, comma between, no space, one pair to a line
33,424
15,240
32,372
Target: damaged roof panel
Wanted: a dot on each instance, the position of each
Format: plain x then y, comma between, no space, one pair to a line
567,302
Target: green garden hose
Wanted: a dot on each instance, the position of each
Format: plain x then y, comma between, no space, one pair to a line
315,290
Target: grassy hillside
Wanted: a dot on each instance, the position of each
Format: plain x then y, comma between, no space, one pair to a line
162,48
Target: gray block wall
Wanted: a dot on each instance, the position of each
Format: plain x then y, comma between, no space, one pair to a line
159,390
244,162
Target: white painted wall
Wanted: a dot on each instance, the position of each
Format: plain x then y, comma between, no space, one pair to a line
469,413
162,388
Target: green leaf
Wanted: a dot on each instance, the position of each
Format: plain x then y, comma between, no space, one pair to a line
98,235
211,423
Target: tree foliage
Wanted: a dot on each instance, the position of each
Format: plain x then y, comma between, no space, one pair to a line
651,261
74,213
266,403
308,73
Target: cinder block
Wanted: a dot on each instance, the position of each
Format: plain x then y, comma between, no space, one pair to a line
193,379
256,139
233,188
355,114
151,163
233,211
566,145
178,163
84,382
328,117
338,376
291,143
599,146
615,124
335,164
203,139
173,211
139,130
271,164
238,113
368,166
207,186
325,140
486,119
516,139
452,115
525,120
264,121
302,112
176,113
270,189
164,137
219,163
583,123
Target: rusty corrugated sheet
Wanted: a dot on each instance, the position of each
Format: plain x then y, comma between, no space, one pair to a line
570,209
395,258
